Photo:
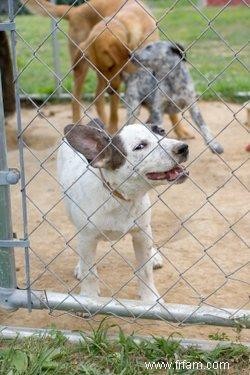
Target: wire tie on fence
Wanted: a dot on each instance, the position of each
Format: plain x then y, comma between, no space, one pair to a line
7,26
14,243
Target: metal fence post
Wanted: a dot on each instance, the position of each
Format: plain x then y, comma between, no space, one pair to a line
7,260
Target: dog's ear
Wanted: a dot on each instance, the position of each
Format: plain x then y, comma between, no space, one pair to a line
90,142
96,123
94,144
179,50
119,53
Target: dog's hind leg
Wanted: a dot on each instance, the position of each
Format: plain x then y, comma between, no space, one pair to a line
143,252
86,271
204,130
180,130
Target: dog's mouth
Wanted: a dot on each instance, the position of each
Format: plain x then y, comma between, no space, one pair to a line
173,174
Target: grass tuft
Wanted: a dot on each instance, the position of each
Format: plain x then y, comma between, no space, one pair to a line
97,354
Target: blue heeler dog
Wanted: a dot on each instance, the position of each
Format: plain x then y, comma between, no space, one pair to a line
163,84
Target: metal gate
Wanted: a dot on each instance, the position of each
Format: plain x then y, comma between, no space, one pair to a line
14,296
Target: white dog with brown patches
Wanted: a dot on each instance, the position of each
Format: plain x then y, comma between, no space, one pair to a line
106,182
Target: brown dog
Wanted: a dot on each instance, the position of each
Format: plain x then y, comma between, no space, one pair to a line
107,50
81,21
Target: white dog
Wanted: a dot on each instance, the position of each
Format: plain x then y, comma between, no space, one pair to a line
106,183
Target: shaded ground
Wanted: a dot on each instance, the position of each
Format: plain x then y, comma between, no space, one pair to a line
194,270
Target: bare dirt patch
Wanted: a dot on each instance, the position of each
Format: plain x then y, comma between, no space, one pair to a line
191,222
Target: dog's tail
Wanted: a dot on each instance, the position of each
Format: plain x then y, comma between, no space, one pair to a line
47,9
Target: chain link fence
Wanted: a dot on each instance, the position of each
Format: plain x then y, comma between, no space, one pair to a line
200,229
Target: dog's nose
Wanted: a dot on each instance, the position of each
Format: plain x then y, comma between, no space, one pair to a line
133,56
181,149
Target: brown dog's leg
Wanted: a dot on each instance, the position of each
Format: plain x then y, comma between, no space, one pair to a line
79,74
180,130
100,99
114,105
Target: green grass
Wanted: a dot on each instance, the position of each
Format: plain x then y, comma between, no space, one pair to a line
97,354
208,54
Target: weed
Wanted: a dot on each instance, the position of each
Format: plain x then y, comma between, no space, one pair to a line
218,336
98,354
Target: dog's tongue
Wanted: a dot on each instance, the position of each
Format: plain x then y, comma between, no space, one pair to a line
169,175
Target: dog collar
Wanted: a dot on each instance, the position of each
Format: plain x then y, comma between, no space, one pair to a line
115,192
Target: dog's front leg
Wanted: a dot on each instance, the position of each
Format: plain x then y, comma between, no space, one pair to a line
85,270
155,108
100,99
79,75
133,105
142,242
205,131
114,107
114,104
179,128
156,114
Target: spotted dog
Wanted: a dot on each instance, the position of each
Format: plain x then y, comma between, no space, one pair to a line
106,183
163,84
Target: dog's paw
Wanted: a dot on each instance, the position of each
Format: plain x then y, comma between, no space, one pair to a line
90,293
216,148
156,260
78,271
152,299
183,133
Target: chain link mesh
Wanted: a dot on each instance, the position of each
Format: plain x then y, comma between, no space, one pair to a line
201,229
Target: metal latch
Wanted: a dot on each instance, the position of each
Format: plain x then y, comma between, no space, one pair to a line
10,177
7,26
14,243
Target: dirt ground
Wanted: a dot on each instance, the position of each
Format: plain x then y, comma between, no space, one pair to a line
199,226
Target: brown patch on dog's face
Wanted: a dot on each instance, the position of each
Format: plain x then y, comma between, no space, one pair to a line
118,153
95,145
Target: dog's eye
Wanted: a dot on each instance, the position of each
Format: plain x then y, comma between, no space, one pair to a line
140,146
158,130
148,47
